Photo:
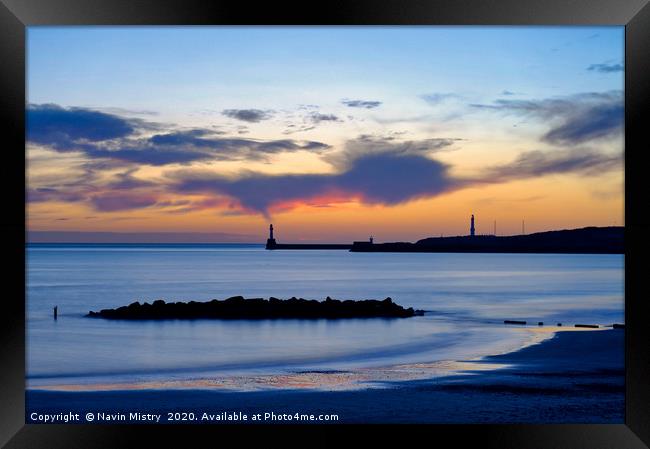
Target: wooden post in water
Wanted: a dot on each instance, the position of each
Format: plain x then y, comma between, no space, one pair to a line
56,312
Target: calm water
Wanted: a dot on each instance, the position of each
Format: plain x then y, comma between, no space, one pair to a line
468,297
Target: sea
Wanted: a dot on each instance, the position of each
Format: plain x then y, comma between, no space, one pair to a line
466,297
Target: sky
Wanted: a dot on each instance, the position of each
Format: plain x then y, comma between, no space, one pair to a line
332,134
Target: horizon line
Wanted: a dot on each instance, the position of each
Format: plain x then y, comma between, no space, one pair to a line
184,238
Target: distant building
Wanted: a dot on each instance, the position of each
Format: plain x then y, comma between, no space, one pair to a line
364,242
472,230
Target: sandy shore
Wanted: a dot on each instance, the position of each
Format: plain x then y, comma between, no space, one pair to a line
568,375
327,380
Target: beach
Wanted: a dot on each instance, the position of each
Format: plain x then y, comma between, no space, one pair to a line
572,377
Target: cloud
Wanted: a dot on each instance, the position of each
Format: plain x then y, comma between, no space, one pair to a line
506,200
384,177
50,124
317,117
248,115
606,68
437,98
184,148
138,237
371,144
307,119
370,169
126,111
292,129
120,192
574,119
598,122
540,163
225,148
45,194
102,136
365,104
111,202
152,155
126,181
372,178
194,137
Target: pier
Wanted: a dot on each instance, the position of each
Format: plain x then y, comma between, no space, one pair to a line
272,244
589,240
308,246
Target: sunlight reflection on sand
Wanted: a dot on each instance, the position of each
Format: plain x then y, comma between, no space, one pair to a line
360,378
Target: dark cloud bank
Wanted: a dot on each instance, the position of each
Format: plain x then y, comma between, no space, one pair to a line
105,136
60,128
373,178
532,164
393,175
574,119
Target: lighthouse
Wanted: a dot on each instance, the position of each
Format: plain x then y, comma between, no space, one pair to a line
270,243
472,231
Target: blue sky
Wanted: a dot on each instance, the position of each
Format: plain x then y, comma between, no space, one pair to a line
193,67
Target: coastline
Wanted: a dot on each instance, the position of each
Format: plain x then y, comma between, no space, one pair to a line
575,387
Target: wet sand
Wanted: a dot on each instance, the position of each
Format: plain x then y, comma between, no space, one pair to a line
575,376
324,380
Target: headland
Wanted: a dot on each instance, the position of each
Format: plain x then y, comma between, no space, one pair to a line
591,240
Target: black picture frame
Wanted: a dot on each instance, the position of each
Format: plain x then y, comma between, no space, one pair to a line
15,15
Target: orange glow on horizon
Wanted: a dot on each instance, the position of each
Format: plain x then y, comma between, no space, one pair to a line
554,202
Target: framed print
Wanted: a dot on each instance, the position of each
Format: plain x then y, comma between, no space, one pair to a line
425,215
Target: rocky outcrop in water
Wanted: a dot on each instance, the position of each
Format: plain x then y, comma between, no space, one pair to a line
238,307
